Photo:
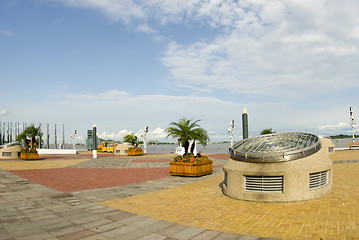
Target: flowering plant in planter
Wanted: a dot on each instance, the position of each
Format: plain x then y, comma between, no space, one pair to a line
190,158
29,154
134,151
191,165
27,150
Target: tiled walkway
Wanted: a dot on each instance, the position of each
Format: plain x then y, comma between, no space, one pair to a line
135,198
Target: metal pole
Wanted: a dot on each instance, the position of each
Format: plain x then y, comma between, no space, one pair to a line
55,138
8,134
230,133
47,137
63,136
352,122
245,123
40,138
94,141
3,136
1,133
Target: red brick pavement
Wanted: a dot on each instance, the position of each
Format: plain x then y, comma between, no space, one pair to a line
152,161
78,179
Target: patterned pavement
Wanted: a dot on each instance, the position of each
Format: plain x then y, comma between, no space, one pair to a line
77,197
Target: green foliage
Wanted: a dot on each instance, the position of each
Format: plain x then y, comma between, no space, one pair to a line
31,132
190,158
186,130
131,138
340,136
26,150
267,131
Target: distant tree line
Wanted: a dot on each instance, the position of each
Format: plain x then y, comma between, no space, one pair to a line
342,136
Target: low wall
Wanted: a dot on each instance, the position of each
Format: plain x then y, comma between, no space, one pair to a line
56,151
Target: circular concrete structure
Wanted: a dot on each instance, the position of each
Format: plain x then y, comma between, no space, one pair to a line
280,167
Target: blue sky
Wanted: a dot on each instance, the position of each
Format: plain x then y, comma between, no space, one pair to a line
127,64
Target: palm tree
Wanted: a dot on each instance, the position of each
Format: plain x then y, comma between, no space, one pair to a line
186,130
131,138
32,132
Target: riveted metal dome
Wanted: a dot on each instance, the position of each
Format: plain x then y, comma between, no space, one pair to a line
277,147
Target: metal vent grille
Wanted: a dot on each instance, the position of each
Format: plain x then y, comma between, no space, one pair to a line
270,184
318,179
277,147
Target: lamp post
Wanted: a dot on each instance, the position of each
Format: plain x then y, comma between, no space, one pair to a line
94,141
73,138
230,133
352,122
143,136
245,123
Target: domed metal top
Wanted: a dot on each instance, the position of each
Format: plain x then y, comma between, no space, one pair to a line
277,147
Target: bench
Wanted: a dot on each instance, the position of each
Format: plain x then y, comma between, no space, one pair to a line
350,145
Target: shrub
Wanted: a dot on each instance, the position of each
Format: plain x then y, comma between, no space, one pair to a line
189,158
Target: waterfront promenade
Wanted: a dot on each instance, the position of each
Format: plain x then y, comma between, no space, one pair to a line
78,197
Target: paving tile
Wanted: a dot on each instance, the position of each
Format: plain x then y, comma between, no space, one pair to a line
206,235
153,237
118,231
4,235
170,230
187,233
65,230
107,227
77,235
96,223
38,236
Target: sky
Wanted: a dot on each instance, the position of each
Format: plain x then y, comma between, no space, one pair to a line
127,64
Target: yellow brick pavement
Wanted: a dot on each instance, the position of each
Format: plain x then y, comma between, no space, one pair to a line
202,204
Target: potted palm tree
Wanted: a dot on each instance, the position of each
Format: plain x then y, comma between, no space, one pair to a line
189,164
29,152
135,150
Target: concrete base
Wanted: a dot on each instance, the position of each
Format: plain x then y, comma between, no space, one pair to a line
56,151
295,175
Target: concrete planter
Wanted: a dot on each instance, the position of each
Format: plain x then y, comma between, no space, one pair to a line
191,169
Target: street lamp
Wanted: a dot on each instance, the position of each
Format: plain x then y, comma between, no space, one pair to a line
143,136
230,133
73,138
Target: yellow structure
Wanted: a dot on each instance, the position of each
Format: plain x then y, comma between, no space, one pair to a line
107,147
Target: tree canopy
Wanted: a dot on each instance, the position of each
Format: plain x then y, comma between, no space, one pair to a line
186,130
267,131
131,138
31,132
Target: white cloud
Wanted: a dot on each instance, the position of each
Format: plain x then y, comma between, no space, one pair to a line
145,29
124,10
341,127
3,112
276,47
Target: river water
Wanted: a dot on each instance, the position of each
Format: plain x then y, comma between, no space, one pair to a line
212,148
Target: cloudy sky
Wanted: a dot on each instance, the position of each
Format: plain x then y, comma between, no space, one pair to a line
128,64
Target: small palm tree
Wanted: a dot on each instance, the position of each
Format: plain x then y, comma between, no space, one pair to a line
131,138
186,130
32,132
